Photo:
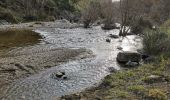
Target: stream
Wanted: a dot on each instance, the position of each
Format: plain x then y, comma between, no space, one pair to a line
82,73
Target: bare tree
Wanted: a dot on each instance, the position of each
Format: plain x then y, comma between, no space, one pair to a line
91,13
108,12
131,11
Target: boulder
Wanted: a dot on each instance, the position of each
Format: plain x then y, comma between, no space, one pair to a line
124,57
114,36
108,40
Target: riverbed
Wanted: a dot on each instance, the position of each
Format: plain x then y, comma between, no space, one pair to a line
82,72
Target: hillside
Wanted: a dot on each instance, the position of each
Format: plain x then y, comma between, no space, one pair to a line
23,10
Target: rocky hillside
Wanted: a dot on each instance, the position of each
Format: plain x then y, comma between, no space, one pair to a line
29,10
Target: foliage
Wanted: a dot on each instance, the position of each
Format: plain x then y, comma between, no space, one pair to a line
140,25
91,13
36,9
129,84
156,42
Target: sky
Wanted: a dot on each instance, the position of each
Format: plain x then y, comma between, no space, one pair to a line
115,0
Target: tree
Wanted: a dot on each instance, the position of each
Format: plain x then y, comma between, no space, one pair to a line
131,12
91,13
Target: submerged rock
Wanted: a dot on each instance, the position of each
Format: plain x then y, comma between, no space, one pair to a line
124,57
114,36
119,48
108,40
65,77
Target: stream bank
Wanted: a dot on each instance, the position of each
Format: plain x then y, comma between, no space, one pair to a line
82,73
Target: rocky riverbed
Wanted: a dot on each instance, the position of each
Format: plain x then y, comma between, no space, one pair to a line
82,54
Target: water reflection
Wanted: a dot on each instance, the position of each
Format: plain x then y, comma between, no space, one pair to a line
82,73
17,38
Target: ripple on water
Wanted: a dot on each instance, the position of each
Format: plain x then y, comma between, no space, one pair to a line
81,74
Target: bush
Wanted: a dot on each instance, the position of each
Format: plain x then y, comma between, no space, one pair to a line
108,12
156,42
8,16
137,89
140,25
50,18
91,13
30,18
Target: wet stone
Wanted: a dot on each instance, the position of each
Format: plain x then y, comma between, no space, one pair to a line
65,77
119,48
108,40
112,69
59,75
113,36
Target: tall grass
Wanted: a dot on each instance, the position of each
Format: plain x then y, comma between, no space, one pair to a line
156,42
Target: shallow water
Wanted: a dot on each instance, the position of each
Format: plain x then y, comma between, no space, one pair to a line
81,74
17,38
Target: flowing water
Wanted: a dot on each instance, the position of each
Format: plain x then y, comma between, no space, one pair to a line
82,74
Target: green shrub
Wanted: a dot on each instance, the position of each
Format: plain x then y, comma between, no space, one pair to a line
138,89
139,25
156,42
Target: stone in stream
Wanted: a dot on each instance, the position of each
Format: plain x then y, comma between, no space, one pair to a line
65,77
63,73
124,57
112,69
119,48
59,75
114,36
108,40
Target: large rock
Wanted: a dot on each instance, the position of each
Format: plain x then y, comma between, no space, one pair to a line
124,57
